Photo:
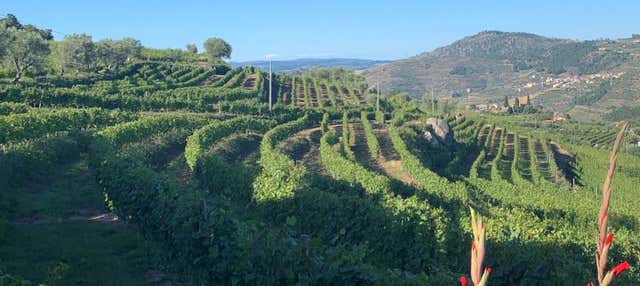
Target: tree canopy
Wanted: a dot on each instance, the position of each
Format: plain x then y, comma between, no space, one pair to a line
191,48
27,48
217,49
22,47
114,53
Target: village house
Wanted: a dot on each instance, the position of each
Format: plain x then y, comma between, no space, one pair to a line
558,117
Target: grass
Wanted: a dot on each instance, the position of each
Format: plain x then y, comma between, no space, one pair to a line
51,238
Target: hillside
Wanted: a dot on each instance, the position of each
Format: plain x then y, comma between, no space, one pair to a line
562,75
299,64
139,166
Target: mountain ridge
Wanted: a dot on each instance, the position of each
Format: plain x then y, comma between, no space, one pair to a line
487,66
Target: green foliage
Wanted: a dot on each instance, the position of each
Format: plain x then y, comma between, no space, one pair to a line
192,48
345,139
372,141
114,53
7,108
24,49
121,134
78,52
16,127
217,49
459,70
379,116
594,95
624,113
237,210
325,123
204,137
172,55
495,163
425,178
473,173
32,158
280,176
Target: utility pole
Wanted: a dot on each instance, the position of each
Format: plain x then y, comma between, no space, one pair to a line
378,98
270,86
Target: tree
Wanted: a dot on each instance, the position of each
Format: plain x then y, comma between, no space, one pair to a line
113,53
4,40
191,48
24,50
516,105
10,21
78,52
44,33
509,110
506,101
217,49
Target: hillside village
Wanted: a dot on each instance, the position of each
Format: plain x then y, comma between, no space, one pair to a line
567,80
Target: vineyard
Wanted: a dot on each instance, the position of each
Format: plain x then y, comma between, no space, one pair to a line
325,189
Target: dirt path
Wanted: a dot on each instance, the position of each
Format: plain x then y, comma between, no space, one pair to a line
213,79
313,95
504,165
565,161
346,96
543,159
389,159
524,159
250,81
363,100
482,136
336,94
324,95
308,153
360,148
299,94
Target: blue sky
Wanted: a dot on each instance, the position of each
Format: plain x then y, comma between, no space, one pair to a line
297,29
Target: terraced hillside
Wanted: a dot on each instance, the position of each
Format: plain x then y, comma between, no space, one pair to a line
322,190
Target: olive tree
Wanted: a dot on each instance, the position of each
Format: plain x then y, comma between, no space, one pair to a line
217,49
113,53
77,52
24,50
191,48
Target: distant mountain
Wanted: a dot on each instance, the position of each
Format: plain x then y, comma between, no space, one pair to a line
298,64
585,78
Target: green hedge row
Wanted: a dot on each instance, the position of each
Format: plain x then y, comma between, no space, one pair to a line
346,145
425,178
7,108
280,175
36,123
372,140
200,140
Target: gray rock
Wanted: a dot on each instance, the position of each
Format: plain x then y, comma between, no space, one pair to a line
438,133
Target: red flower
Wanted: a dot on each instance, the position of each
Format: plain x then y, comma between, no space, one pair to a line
463,281
489,270
590,284
609,239
624,266
473,245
